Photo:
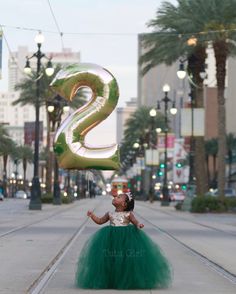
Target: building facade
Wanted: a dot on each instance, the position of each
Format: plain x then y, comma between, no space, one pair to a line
150,90
122,115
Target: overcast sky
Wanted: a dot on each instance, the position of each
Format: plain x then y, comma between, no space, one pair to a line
104,31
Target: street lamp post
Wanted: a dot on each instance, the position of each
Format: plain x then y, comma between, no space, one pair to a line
56,108
152,114
181,73
192,147
35,199
173,110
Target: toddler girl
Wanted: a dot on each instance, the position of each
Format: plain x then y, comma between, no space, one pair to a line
121,256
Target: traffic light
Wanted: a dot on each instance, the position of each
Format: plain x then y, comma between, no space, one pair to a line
162,165
184,187
160,173
178,164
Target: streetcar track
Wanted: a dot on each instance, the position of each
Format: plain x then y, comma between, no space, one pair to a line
40,283
190,221
33,223
43,279
205,260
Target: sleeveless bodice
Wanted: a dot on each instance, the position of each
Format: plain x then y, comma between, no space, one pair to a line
119,218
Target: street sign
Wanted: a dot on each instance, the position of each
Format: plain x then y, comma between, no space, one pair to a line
29,132
170,141
198,122
152,157
180,171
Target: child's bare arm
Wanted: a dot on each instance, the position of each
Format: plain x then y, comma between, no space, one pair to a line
98,220
134,221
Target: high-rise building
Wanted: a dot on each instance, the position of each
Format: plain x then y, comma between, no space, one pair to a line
122,114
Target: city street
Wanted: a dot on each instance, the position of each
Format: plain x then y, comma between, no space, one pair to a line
100,106
39,249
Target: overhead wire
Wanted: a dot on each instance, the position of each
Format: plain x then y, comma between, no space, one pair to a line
57,25
119,33
115,34
68,33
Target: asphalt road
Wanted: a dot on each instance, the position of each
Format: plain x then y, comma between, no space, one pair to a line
39,249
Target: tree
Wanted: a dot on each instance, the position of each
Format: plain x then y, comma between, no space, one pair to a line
7,147
137,129
211,148
166,45
27,88
231,149
216,21
25,154
213,23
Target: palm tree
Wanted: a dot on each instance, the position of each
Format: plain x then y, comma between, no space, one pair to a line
25,154
211,148
215,23
27,88
219,17
7,147
137,128
167,45
231,149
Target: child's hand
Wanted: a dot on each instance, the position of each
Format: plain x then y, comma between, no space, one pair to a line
141,226
89,213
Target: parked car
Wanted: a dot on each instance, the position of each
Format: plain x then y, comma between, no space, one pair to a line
177,196
28,193
1,197
21,194
229,192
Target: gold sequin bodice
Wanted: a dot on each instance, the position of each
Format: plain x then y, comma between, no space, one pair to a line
119,218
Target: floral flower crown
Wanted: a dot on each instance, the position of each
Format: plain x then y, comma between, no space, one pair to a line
130,196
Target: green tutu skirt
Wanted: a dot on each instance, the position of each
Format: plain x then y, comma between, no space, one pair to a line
117,257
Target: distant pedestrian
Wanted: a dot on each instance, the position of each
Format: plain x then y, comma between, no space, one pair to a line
121,256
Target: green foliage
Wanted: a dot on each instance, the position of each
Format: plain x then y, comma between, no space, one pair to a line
66,199
47,198
27,89
7,145
213,204
140,127
178,206
231,204
198,205
211,147
175,23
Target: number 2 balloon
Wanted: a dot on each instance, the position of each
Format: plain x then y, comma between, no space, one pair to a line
69,142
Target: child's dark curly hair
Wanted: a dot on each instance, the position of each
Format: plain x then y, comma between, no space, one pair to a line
129,203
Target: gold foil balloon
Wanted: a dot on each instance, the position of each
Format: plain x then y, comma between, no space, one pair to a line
69,142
